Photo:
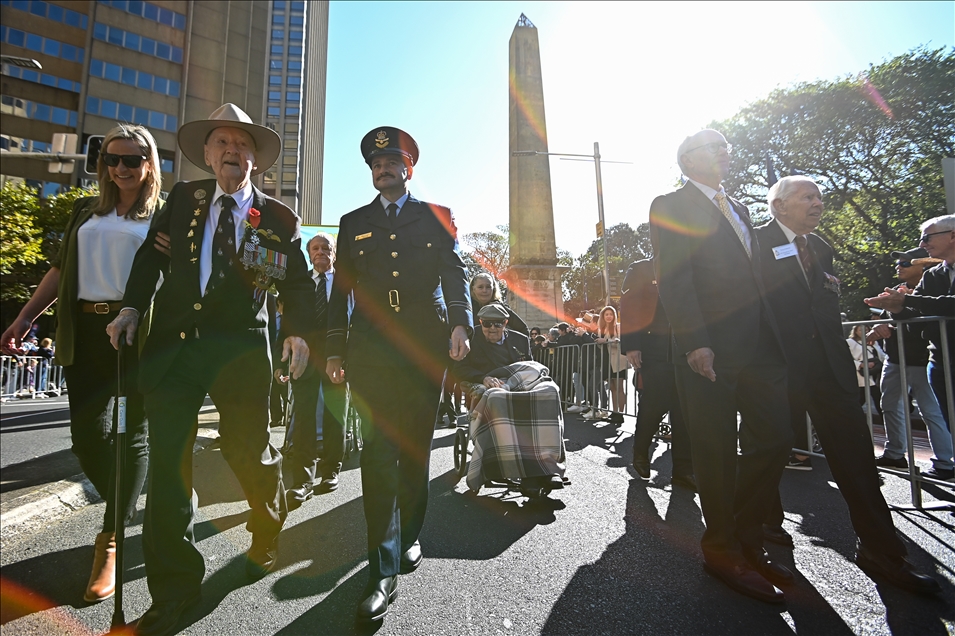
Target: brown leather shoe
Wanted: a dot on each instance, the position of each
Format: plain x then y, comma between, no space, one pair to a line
745,580
770,570
102,584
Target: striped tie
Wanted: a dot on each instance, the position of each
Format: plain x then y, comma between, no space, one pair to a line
321,302
725,209
802,246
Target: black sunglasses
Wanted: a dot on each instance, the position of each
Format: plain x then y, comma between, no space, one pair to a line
492,324
130,161
925,238
903,263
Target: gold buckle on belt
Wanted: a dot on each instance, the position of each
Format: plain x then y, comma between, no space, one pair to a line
101,308
393,299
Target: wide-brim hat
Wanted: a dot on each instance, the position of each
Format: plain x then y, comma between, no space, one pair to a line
388,140
915,252
193,135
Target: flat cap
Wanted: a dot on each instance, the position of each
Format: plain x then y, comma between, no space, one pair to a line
494,311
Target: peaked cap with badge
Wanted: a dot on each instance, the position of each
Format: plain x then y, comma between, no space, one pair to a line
388,140
193,135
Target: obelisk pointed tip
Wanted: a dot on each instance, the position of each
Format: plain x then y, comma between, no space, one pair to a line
524,21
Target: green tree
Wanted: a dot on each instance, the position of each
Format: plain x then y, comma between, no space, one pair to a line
874,142
487,251
31,229
583,285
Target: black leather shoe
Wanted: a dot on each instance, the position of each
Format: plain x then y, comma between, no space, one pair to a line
295,497
778,535
162,616
261,557
378,596
329,482
411,558
685,481
897,571
772,571
642,467
745,580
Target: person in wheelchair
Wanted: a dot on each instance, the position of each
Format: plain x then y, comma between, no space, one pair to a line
534,458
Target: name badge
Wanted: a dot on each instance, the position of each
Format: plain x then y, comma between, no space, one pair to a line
785,251
362,237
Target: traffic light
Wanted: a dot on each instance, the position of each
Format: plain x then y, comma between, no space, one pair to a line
93,146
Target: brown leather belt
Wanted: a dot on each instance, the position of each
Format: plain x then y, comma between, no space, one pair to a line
100,308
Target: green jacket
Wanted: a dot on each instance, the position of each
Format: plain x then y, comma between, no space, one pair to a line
68,291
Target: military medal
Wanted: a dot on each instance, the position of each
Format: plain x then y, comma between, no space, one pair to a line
200,194
190,234
832,284
196,212
194,223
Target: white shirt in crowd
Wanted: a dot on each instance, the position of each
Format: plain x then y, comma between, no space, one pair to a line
105,247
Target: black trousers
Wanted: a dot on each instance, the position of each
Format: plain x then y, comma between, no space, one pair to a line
659,397
237,379
92,380
737,488
305,395
397,407
841,425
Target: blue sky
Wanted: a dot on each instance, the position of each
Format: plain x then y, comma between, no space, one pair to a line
635,77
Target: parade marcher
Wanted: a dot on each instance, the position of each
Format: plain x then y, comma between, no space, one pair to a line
315,390
728,356
645,337
399,257
89,277
226,244
804,295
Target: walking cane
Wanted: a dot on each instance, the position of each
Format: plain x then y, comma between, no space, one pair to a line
119,510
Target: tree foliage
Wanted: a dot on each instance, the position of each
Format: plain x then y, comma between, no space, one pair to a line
487,251
874,142
583,285
31,229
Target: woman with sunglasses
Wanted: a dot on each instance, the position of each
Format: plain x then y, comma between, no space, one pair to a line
89,279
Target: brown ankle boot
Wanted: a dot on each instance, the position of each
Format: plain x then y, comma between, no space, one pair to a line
102,583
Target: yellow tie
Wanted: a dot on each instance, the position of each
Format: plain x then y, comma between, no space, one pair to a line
725,209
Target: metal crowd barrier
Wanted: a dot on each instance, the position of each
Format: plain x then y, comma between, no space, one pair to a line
913,474
30,377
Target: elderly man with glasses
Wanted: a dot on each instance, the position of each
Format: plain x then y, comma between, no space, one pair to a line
933,296
498,348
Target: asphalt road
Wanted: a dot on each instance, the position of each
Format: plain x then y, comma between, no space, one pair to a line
34,445
608,555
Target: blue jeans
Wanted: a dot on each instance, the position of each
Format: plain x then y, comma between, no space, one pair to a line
893,402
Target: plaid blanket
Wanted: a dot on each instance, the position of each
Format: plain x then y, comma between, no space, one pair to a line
517,431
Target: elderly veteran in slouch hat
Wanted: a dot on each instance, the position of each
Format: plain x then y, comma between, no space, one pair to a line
221,244
399,257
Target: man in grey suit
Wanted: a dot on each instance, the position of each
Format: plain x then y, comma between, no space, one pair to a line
729,358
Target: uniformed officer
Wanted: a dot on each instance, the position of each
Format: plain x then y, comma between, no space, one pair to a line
399,256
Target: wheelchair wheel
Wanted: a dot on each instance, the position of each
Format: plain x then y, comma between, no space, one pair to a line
461,452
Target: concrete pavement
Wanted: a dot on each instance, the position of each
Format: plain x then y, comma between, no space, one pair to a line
609,555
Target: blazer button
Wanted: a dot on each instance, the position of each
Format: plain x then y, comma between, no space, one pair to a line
182,334
394,255
361,252
197,306
429,244
392,237
395,274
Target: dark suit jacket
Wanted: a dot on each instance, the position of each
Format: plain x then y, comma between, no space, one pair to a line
486,357
713,293
230,309
934,296
417,263
805,311
644,326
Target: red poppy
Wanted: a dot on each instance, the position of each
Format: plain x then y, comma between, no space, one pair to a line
254,217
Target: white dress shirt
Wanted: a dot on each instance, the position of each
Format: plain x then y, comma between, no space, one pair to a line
240,213
400,202
710,194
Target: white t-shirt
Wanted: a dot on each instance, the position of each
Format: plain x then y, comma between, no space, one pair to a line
105,247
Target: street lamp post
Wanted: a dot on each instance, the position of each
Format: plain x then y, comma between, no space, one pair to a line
600,200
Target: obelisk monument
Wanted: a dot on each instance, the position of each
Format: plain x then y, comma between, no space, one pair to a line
533,277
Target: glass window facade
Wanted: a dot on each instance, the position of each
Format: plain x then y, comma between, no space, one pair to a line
51,12
31,75
136,42
36,110
149,11
145,117
40,44
132,77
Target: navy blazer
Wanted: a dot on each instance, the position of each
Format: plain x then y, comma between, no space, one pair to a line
711,290
409,284
232,309
805,310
